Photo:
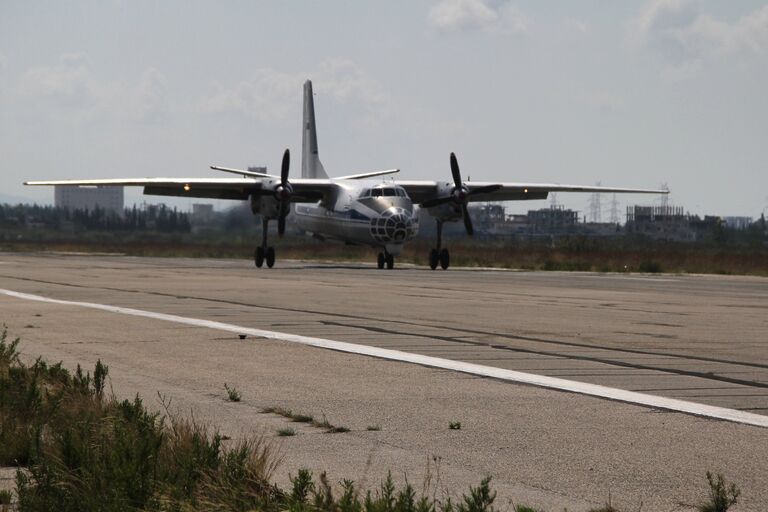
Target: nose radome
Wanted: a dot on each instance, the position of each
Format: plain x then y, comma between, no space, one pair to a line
393,225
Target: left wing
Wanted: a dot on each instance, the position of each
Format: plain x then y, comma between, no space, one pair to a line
304,190
422,191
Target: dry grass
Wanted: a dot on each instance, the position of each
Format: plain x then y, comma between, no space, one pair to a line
570,254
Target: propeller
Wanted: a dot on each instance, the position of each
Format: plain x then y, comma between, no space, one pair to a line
460,195
283,193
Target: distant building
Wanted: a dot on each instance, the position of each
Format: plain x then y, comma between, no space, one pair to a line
664,222
554,220
737,222
670,223
202,213
89,198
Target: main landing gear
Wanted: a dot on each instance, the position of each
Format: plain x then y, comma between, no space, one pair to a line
263,253
387,259
438,255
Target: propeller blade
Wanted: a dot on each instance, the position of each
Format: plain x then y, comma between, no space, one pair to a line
436,202
455,171
286,166
467,220
484,190
281,218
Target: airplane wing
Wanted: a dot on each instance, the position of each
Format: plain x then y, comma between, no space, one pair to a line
423,191
304,190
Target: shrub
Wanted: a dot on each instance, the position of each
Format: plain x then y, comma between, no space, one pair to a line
721,496
232,393
650,267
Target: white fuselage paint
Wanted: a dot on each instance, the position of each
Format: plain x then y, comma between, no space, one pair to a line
671,404
360,213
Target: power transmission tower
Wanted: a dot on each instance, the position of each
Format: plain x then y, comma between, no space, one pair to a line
553,200
614,210
595,209
664,197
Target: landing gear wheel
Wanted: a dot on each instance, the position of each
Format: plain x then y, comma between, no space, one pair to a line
258,256
390,261
270,257
380,260
445,259
434,258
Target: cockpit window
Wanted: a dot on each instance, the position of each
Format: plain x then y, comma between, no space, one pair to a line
384,192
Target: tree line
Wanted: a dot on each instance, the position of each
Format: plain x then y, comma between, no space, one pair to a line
158,218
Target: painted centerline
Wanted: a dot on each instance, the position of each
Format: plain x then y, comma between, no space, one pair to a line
583,388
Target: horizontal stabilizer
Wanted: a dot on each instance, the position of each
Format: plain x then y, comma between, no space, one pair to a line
371,174
243,172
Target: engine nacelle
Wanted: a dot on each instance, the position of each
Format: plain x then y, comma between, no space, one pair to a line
268,206
447,212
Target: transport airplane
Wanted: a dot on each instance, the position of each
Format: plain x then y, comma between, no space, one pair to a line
357,209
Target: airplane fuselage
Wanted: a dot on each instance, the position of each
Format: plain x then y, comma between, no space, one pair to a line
364,212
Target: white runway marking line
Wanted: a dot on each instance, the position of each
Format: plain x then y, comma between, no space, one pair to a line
583,388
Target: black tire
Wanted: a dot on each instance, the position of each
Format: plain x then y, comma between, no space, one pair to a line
270,257
434,258
445,259
390,261
258,256
380,260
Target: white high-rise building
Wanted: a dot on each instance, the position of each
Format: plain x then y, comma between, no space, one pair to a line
88,198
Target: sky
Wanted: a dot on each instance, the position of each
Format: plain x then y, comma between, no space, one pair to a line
630,93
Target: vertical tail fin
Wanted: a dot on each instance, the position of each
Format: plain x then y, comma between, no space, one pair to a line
311,167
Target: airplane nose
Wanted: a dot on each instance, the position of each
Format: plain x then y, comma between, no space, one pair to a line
393,225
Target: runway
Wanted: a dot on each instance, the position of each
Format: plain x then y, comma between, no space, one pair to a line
700,339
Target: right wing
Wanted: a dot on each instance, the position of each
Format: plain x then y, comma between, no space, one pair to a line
305,190
422,191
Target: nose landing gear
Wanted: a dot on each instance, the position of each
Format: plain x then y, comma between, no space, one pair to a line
385,258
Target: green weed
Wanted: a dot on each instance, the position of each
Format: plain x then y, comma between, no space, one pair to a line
286,432
721,495
232,393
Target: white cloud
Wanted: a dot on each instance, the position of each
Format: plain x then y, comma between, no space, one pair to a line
263,96
69,83
488,15
577,25
147,100
682,33
71,88
271,95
